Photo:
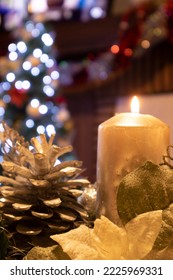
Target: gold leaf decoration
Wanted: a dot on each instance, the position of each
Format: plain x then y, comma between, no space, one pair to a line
107,241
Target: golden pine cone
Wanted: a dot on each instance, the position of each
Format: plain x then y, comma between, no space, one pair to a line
38,193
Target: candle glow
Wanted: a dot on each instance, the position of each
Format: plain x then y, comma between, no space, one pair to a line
125,142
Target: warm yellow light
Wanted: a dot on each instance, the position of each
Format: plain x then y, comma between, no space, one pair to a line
33,6
115,49
135,105
145,44
128,52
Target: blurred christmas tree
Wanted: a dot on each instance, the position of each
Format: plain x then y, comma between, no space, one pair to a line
30,98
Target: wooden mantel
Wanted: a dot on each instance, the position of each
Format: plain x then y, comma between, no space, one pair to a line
75,39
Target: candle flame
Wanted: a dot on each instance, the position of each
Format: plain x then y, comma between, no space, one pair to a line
135,105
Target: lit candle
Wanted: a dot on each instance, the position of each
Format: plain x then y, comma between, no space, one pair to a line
126,141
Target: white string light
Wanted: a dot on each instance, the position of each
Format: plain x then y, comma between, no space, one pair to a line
49,91
30,123
37,52
12,47
40,129
35,102
21,46
26,65
35,71
43,109
10,77
47,39
13,56
50,129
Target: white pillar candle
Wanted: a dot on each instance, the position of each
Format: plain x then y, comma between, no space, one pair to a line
125,141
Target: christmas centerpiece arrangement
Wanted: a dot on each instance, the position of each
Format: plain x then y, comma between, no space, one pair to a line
134,193
45,212
48,210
